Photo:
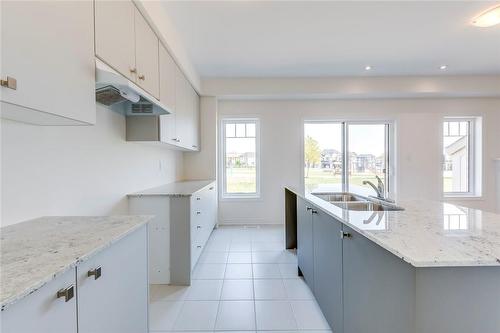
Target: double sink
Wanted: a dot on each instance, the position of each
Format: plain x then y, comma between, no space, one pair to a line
350,201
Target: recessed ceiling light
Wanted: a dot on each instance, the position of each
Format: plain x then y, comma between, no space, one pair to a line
487,18
443,67
368,68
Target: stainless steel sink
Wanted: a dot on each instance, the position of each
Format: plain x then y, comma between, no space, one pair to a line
366,206
350,201
339,197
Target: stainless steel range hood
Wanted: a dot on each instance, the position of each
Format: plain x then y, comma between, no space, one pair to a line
114,90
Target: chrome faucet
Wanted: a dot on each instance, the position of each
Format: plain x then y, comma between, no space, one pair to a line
379,189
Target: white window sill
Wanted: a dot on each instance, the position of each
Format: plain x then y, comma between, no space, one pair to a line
463,197
241,198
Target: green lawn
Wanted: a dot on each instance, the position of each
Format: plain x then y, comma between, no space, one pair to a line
325,176
241,180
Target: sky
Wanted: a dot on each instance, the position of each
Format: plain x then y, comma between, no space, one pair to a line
363,139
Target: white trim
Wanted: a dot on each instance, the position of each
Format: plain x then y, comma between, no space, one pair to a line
474,163
223,195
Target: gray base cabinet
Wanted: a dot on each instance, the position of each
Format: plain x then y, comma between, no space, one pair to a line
378,288
305,241
328,268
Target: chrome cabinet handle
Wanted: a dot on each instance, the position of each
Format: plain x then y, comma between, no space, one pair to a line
344,234
142,77
314,211
211,188
96,273
198,198
67,293
133,70
10,83
308,208
198,227
198,213
198,247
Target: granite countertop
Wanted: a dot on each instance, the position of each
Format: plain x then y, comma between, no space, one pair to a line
36,251
426,233
177,189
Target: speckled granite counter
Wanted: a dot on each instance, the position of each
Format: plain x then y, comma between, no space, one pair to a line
426,233
36,251
177,189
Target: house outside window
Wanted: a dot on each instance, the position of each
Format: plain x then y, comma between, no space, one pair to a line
459,157
240,150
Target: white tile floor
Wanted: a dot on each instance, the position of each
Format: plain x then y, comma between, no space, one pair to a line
244,281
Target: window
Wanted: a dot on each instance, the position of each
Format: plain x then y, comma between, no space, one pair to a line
339,156
240,158
458,156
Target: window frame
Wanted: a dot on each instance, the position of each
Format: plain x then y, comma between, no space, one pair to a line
224,195
390,160
472,158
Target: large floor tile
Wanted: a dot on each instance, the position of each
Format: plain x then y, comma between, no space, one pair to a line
289,271
270,289
236,315
209,271
239,258
297,289
208,257
238,271
221,245
204,290
164,292
267,246
274,315
237,290
197,315
162,315
266,271
308,315
245,246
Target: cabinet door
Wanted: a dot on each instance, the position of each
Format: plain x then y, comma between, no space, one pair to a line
167,79
379,288
194,122
146,56
328,268
167,96
117,300
48,49
114,35
305,241
181,108
42,311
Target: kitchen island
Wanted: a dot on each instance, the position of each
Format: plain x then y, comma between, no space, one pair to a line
432,267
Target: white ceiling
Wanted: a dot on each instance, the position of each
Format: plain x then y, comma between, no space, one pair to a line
305,38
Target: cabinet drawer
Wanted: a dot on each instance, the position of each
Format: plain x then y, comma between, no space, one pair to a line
43,311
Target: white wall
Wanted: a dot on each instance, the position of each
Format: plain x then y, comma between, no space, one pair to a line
418,146
84,170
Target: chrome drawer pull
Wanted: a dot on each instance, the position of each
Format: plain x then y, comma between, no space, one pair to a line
96,273
344,234
67,293
198,213
198,198
199,246
198,227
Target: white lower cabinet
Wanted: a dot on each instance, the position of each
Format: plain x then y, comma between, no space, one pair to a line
43,311
106,293
178,232
113,288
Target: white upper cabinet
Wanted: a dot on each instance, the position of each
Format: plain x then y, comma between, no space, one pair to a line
47,48
181,109
126,42
194,102
167,79
115,35
146,56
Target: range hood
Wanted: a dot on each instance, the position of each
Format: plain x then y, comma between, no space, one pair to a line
114,90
